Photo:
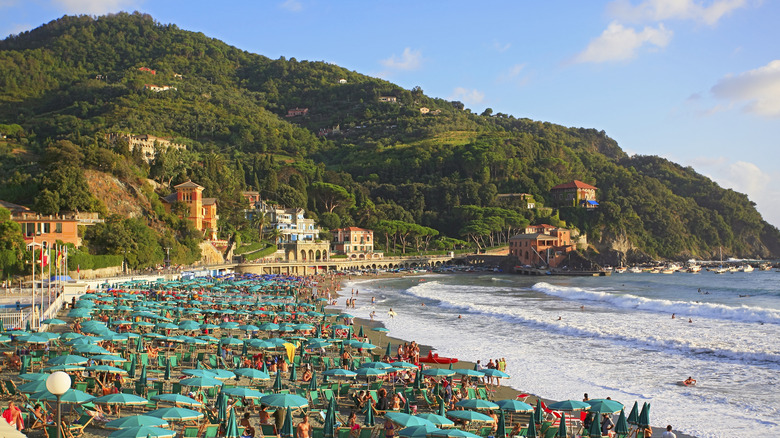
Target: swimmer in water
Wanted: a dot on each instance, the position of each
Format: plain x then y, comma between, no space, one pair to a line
672,315
690,320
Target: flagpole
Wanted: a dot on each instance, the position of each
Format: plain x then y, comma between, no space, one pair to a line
32,297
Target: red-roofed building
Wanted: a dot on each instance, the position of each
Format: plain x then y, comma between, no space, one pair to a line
295,112
541,245
202,211
148,70
574,194
355,243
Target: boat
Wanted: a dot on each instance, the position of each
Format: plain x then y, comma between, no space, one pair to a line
694,269
435,358
635,270
746,268
765,267
620,270
668,270
720,269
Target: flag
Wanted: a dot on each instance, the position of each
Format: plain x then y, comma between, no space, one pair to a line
59,258
44,258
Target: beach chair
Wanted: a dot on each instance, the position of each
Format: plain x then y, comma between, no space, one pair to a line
33,421
374,386
10,386
327,394
211,431
160,362
81,386
213,361
327,363
174,361
482,393
268,430
76,429
176,388
144,357
484,431
431,404
190,431
344,390
366,432
471,393
343,432
317,432
374,395
150,403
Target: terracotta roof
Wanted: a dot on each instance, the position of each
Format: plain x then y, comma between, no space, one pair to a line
209,201
188,185
576,184
170,199
533,236
352,229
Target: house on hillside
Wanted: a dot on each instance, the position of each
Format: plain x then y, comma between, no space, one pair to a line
202,212
148,70
525,200
290,224
355,243
542,245
295,112
388,99
574,194
159,88
342,81
147,143
48,229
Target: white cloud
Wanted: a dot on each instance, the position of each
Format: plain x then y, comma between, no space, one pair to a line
514,75
292,5
96,7
470,97
501,48
759,89
619,43
409,60
657,10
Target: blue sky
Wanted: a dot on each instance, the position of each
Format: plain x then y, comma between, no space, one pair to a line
695,81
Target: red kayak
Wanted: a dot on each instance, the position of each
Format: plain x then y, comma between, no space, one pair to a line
435,358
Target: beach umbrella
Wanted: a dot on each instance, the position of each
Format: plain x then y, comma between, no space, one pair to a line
377,365
23,368
438,420
201,382
131,373
604,406
284,401
469,416
143,380
231,430
71,396
175,414
438,372
455,433
562,428
242,392
139,346
136,421
501,427
567,405
633,416
222,374
252,374
329,426
53,321
177,399
120,399
406,420
475,403
109,358
278,382
369,420
31,377
418,431
469,372
68,359
222,407
106,369
644,415
167,374
360,332
388,350
511,405
538,415
143,432
90,349
594,431
339,373
293,373
32,387
287,427
621,427
401,364
199,373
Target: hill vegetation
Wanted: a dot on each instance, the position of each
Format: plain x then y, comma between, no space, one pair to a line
367,153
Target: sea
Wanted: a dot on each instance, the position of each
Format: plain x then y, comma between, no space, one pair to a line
612,336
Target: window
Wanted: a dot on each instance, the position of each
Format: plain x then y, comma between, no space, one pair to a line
46,228
58,227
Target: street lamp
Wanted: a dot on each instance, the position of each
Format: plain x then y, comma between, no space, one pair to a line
58,383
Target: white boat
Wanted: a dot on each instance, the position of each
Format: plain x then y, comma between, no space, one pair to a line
668,271
720,269
620,270
694,269
635,270
746,268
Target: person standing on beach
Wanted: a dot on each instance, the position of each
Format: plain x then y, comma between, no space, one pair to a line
304,428
668,433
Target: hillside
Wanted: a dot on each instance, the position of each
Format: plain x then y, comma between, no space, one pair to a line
363,151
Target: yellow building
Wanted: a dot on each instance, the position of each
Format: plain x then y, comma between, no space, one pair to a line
202,211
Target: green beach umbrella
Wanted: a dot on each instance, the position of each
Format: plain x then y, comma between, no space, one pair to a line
406,420
594,431
604,406
143,380
469,415
633,416
278,382
293,373
512,405
167,374
475,403
562,428
136,421
121,399
418,431
252,374
329,427
284,401
131,373
438,420
287,427
140,345
532,432
177,399
222,407
360,332
109,358
31,377
567,405
175,414
23,368
644,415
439,372
143,432
71,396
242,392
501,428
454,433
469,372
388,350
313,381
32,387
231,430
369,420
201,382
538,415
68,359
621,427
50,321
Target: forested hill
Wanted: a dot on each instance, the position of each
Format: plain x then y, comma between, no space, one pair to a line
366,152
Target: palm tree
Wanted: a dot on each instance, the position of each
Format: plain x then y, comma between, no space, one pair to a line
259,221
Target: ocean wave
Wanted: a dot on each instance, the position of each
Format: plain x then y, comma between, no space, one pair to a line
687,308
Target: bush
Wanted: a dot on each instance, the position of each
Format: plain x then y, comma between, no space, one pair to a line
270,249
249,248
82,260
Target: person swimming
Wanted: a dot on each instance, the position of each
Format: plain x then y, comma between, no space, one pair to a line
690,381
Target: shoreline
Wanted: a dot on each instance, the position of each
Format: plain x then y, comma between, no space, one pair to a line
379,339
